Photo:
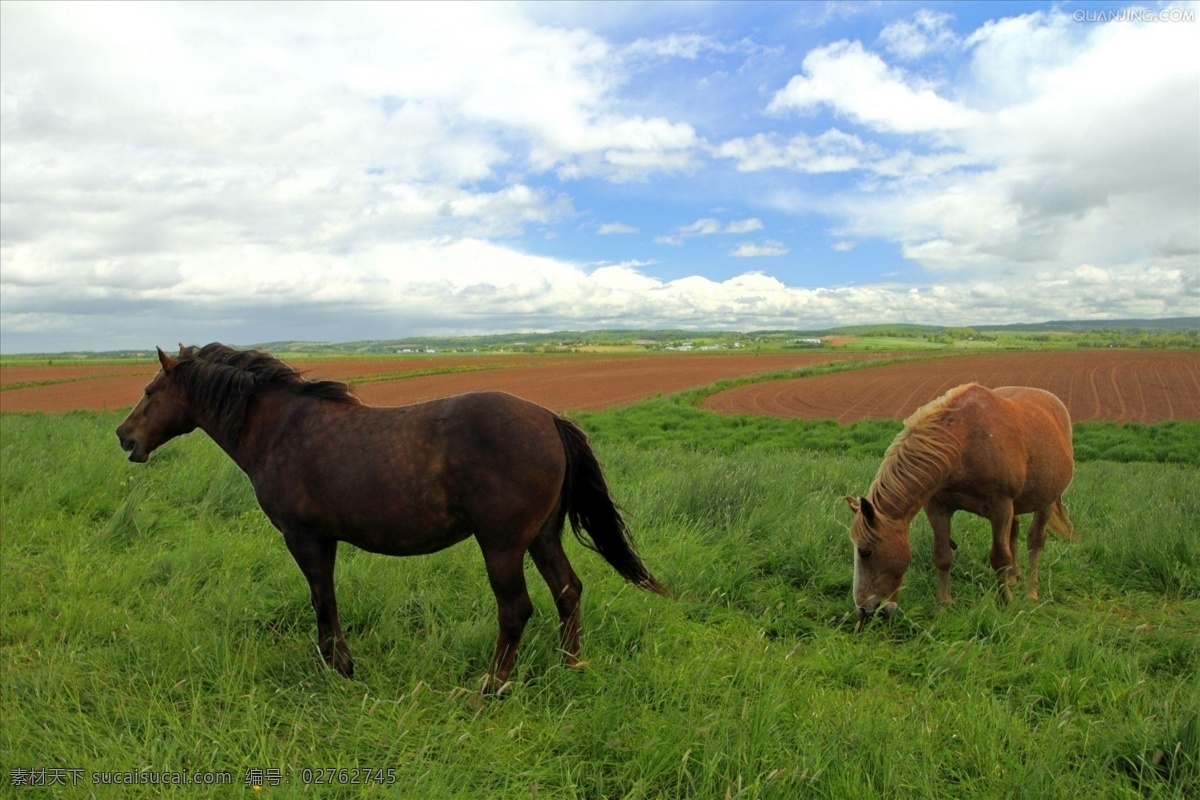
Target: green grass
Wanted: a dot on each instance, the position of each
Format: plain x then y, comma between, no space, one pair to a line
153,620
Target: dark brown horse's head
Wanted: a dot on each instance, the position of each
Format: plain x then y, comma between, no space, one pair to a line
162,414
881,557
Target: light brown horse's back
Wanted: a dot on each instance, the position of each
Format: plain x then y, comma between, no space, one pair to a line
1017,444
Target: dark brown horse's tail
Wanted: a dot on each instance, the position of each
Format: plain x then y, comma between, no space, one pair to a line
590,508
1060,524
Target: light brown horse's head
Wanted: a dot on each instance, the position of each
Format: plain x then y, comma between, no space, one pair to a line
162,414
881,557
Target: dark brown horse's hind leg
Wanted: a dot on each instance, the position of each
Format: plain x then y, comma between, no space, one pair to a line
506,573
565,586
315,554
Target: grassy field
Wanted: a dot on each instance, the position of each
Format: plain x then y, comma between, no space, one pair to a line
154,622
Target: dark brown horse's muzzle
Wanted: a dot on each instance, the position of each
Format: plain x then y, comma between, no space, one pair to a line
131,445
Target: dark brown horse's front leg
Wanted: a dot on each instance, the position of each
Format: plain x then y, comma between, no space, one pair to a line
315,554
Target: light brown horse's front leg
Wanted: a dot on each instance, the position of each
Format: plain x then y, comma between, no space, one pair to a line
506,573
943,548
1014,536
1001,557
315,554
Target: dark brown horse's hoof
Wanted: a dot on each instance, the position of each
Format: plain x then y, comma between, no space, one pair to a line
343,666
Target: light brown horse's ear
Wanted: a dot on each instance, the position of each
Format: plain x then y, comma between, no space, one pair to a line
864,505
165,360
868,510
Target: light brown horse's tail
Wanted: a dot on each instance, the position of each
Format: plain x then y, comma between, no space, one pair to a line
590,508
1059,524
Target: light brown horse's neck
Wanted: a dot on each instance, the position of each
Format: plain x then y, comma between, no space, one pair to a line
895,508
916,466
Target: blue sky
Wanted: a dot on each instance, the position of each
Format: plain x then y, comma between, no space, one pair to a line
258,172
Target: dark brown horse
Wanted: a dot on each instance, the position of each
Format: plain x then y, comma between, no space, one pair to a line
399,481
996,454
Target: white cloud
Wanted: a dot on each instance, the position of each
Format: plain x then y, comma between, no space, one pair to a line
247,172
1068,144
832,151
609,228
860,86
928,32
471,285
844,246
709,226
676,45
744,226
767,247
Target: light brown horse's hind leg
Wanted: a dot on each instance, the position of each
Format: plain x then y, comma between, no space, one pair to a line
506,573
943,549
1001,557
1036,540
565,586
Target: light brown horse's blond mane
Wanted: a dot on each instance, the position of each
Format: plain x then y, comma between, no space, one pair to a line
918,460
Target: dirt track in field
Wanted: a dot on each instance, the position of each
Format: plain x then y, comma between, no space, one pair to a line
561,382
1107,385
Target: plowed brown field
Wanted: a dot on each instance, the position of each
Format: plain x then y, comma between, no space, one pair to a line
98,387
1107,385
568,382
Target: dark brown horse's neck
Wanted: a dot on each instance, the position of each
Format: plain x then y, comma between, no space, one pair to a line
269,415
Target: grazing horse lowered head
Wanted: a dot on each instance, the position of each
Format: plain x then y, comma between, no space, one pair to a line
995,453
399,481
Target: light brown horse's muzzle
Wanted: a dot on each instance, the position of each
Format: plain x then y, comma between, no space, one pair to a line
872,607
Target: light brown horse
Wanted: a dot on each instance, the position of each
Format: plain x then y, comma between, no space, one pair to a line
996,454
398,481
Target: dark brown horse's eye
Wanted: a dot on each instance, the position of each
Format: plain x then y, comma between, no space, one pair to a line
864,554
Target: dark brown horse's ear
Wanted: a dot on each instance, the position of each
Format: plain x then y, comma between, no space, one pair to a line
182,350
165,360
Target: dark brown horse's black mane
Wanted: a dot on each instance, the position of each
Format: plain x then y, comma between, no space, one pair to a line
223,379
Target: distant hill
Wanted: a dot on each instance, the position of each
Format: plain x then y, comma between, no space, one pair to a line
1109,329
1082,326
1052,326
